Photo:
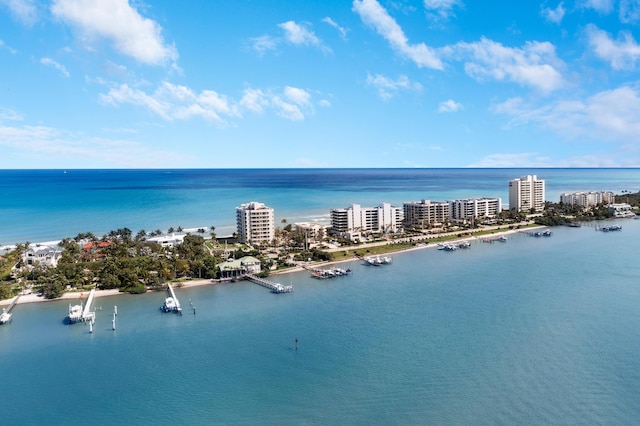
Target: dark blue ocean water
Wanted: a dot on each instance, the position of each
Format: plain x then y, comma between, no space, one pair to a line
46,205
531,331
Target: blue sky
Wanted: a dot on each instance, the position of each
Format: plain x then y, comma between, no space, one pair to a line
364,83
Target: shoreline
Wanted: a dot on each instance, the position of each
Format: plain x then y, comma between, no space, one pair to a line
74,295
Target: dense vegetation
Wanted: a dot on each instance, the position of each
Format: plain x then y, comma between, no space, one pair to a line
132,264
116,261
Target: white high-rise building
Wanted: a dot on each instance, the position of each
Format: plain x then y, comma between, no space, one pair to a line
354,220
255,223
474,208
421,214
526,193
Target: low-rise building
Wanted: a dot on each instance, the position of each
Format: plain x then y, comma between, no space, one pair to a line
235,268
171,240
41,255
312,232
621,210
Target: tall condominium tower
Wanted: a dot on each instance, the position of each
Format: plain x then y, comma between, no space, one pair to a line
526,193
255,223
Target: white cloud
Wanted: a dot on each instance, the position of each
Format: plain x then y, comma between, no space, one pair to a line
300,35
342,31
621,54
254,100
533,159
263,43
441,9
523,159
287,109
553,15
53,143
535,64
600,6
7,114
387,88
124,94
450,106
294,33
24,11
117,21
297,96
3,45
629,11
176,102
53,64
611,115
373,14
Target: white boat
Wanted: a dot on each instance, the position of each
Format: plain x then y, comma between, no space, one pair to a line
373,261
171,302
169,305
75,313
5,317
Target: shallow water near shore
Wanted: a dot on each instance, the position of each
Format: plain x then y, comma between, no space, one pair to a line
531,331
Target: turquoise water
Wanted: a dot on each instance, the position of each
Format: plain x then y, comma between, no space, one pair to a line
49,205
531,331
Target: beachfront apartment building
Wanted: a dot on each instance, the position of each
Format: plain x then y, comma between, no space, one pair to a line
354,221
425,213
471,209
588,199
255,223
312,232
527,194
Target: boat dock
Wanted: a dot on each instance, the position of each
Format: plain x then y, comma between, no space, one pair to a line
329,273
274,287
377,260
610,228
545,233
171,302
5,317
454,246
78,313
500,238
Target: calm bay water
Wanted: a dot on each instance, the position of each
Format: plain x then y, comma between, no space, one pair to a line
531,331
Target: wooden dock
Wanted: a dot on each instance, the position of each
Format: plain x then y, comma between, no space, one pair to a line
274,287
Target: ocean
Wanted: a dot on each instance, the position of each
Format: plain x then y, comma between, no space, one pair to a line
531,331
49,205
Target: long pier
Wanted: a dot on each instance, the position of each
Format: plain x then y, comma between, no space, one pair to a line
175,299
5,317
274,287
87,314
